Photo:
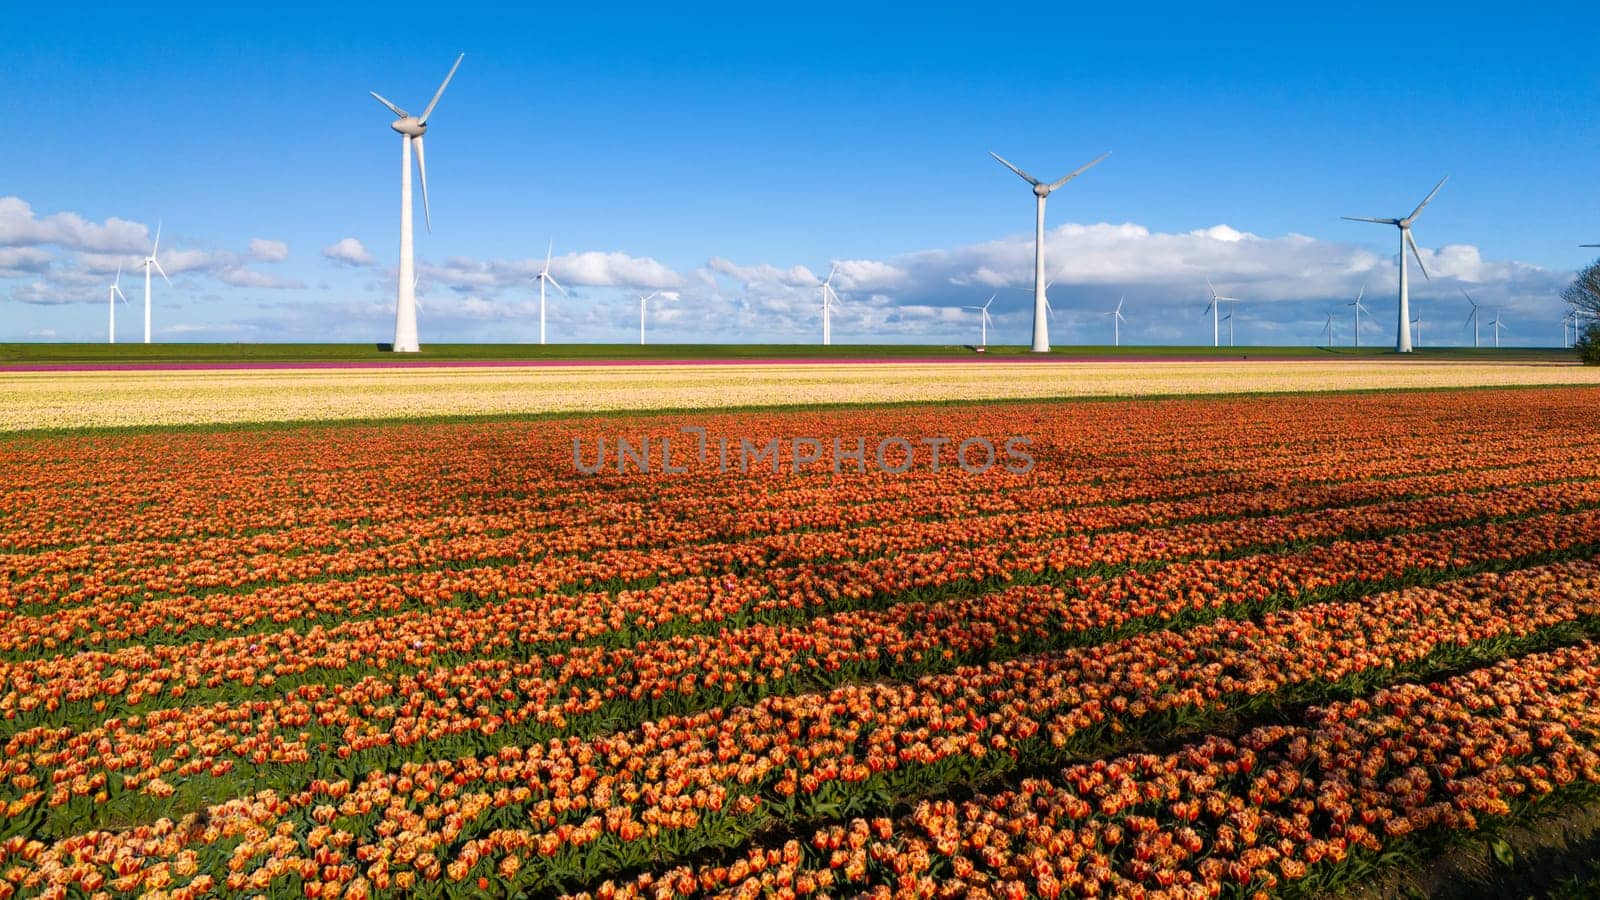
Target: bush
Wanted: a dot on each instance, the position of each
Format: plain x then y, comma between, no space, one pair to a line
1589,345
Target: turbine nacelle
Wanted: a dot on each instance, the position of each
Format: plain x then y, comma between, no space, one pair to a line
410,126
1041,190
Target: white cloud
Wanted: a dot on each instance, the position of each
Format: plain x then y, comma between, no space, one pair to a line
42,333
596,269
20,227
263,250
17,262
348,251
240,276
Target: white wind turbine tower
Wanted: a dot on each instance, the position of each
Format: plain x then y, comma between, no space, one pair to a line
983,320
148,262
1472,317
1215,308
1360,308
830,297
1571,318
643,300
1496,324
411,129
544,276
1041,191
115,290
1116,323
1403,330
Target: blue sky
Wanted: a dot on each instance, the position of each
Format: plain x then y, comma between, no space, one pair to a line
727,154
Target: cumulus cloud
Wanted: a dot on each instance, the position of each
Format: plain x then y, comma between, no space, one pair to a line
589,269
17,262
21,227
348,251
263,250
240,276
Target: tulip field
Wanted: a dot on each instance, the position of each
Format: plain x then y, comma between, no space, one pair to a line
1202,647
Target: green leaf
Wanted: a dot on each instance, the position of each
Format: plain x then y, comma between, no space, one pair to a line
1502,851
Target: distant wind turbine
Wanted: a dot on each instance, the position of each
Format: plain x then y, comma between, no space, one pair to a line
1472,317
115,290
148,262
1496,324
411,129
830,297
1328,330
1041,191
1403,341
643,300
983,320
1116,323
1215,308
544,276
1571,318
1416,322
1360,308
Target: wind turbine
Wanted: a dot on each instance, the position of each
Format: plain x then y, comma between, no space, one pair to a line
1472,317
1116,323
1328,329
1229,318
1041,191
1360,308
1571,318
411,129
148,262
1497,326
1416,322
983,320
115,290
544,276
1214,307
829,298
1403,341
644,299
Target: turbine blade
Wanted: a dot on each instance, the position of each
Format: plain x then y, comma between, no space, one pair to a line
392,108
422,167
1427,198
119,276
832,270
1369,219
440,92
548,252
161,270
1025,176
1363,293
120,293
552,280
1079,171
1418,254
991,299
157,244
1213,290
